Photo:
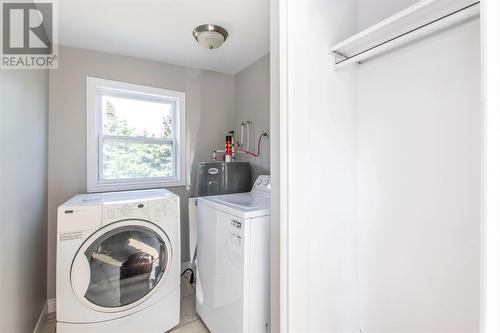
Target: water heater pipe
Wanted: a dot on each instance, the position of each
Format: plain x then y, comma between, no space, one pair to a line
248,136
257,154
242,133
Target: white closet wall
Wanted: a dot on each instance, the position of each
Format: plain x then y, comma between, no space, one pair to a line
370,12
332,173
318,169
419,185
383,176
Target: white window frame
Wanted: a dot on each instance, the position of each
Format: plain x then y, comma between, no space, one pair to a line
95,183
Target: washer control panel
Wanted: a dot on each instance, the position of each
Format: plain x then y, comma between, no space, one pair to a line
262,184
236,233
137,209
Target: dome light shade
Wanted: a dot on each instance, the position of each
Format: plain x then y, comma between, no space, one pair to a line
210,36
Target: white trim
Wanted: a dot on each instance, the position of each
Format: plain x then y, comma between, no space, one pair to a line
284,149
490,314
275,167
41,319
51,303
294,151
94,183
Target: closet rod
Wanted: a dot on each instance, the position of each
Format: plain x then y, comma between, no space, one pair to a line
349,59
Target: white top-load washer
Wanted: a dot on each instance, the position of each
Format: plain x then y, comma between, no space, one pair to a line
118,262
233,274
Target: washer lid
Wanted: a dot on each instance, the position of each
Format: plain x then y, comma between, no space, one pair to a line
242,205
120,265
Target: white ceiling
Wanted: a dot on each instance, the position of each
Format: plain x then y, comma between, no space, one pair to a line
161,30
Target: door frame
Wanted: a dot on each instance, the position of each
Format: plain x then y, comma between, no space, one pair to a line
490,35
293,74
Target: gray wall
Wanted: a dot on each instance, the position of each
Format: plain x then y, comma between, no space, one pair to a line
210,105
253,104
23,202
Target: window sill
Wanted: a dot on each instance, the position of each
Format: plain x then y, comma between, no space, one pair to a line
130,186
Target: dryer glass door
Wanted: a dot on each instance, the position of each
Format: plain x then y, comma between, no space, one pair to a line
124,265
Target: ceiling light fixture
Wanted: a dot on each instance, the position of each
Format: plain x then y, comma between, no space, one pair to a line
210,36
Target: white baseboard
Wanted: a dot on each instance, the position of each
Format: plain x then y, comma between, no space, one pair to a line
51,302
41,319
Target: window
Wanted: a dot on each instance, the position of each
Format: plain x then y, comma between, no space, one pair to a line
135,136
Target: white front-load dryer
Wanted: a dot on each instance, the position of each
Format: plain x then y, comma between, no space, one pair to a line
118,262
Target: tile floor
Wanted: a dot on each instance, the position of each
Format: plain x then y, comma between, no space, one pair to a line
49,325
190,322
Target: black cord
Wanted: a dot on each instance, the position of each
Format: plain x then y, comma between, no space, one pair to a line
191,279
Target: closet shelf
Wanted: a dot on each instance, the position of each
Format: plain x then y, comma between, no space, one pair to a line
416,22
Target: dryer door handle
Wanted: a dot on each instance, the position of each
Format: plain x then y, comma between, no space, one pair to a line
80,275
